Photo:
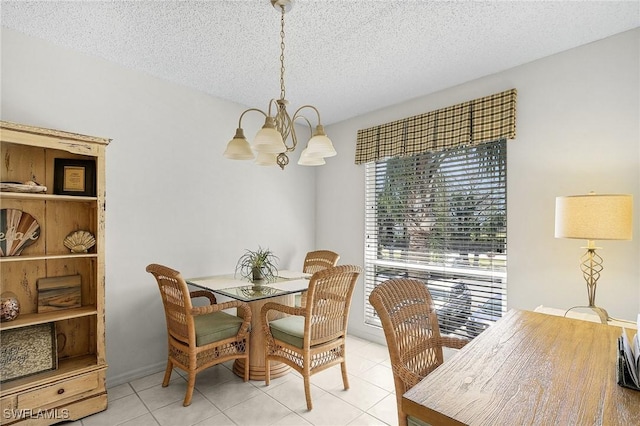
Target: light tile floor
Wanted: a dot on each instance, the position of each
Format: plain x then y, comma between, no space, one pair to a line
222,398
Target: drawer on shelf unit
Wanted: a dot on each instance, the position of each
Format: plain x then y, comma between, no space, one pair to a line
8,407
58,392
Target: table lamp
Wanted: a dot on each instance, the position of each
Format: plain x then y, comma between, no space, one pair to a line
593,217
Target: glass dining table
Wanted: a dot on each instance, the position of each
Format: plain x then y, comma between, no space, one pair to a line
280,290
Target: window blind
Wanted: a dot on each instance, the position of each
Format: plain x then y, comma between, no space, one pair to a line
441,217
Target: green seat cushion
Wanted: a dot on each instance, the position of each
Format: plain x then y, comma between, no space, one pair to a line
216,326
289,330
412,421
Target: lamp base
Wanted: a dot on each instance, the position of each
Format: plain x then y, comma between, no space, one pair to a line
602,314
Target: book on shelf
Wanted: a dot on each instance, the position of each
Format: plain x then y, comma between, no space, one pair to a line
629,359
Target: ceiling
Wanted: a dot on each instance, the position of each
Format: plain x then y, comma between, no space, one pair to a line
346,57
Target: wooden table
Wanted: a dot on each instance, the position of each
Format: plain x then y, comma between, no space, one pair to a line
283,291
529,368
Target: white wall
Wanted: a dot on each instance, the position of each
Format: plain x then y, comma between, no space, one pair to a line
171,196
577,131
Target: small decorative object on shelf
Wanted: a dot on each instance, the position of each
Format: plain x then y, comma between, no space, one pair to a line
79,241
17,231
9,306
55,293
28,186
27,351
74,177
258,266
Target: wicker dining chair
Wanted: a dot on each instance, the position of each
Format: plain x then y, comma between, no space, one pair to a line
316,261
313,337
410,326
199,337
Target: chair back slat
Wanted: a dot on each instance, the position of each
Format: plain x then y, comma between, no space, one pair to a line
318,260
328,303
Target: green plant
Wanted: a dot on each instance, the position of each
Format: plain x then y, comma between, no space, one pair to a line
257,265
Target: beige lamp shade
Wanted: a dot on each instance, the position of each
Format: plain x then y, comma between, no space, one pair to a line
266,159
238,148
594,217
309,160
268,139
320,145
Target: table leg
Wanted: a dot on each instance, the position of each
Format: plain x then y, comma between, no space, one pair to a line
256,342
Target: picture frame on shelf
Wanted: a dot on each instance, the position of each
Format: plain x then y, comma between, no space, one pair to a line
74,177
57,293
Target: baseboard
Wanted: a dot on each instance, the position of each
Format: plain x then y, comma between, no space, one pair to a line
135,374
370,333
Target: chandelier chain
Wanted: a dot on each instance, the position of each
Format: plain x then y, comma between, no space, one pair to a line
282,91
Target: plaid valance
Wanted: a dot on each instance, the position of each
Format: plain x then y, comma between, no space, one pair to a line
470,123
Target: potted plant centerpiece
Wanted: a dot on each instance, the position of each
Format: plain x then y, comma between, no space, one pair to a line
258,266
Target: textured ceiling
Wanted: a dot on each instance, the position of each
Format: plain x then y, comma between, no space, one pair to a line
346,57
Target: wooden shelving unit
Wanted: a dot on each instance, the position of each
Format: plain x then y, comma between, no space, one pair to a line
76,387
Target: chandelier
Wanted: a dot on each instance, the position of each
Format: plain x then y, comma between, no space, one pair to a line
277,136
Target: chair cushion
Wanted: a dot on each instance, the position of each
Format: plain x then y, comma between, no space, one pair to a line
216,326
289,330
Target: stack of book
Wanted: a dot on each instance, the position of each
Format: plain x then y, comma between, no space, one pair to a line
629,360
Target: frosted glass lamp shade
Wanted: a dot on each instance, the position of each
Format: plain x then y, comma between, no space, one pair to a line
309,160
594,217
320,145
266,159
268,139
238,148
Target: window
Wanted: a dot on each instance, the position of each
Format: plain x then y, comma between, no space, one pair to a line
441,217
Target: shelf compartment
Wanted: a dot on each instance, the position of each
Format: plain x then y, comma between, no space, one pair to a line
24,320
22,279
57,219
67,368
46,197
